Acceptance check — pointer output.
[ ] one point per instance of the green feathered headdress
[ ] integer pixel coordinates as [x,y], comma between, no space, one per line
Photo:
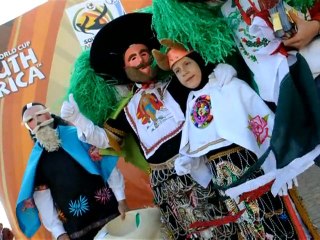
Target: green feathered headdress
[96,98]
[196,25]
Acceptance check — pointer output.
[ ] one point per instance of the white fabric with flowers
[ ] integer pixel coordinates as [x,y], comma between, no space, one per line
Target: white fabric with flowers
[154,116]
[219,115]
[258,46]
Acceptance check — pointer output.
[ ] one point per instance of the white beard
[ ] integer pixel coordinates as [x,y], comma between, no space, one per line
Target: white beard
[48,138]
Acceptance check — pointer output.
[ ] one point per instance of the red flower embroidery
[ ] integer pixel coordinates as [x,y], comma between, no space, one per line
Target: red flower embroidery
[258,40]
[94,153]
[259,127]
[244,40]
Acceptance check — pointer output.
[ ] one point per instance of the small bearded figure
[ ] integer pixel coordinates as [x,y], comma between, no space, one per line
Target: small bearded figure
[40,123]
[65,183]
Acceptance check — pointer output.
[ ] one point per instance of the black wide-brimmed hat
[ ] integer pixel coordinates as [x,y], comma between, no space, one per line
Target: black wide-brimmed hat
[111,42]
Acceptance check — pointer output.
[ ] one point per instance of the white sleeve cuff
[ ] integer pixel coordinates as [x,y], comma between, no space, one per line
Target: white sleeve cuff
[48,212]
[116,183]
[90,133]
[57,231]
[119,194]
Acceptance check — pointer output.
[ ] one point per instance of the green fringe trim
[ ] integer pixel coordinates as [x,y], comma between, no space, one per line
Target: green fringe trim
[95,97]
[196,26]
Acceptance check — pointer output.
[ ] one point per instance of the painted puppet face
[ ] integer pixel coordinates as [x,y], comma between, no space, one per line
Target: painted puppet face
[40,122]
[188,72]
[138,59]
[35,115]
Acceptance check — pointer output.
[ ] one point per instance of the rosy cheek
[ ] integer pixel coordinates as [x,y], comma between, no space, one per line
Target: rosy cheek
[31,124]
[128,64]
[134,63]
[145,58]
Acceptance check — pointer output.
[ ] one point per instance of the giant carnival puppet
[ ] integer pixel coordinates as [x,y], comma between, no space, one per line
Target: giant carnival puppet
[154,115]
[73,194]
[229,124]
[280,76]
[297,99]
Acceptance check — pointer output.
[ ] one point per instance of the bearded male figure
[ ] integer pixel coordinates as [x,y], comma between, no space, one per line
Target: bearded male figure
[121,53]
[74,194]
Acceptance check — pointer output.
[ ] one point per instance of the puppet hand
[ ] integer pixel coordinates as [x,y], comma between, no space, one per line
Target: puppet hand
[224,73]
[183,165]
[288,185]
[70,110]
[123,208]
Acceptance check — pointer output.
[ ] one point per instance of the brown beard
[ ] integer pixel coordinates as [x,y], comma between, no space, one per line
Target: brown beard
[136,75]
[48,138]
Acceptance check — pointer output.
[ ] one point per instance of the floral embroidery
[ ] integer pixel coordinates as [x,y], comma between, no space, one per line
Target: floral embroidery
[245,31]
[94,153]
[259,127]
[247,54]
[78,207]
[201,112]
[103,195]
[252,41]
[257,43]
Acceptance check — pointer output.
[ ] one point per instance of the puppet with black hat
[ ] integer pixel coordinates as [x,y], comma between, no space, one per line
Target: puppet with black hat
[154,114]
